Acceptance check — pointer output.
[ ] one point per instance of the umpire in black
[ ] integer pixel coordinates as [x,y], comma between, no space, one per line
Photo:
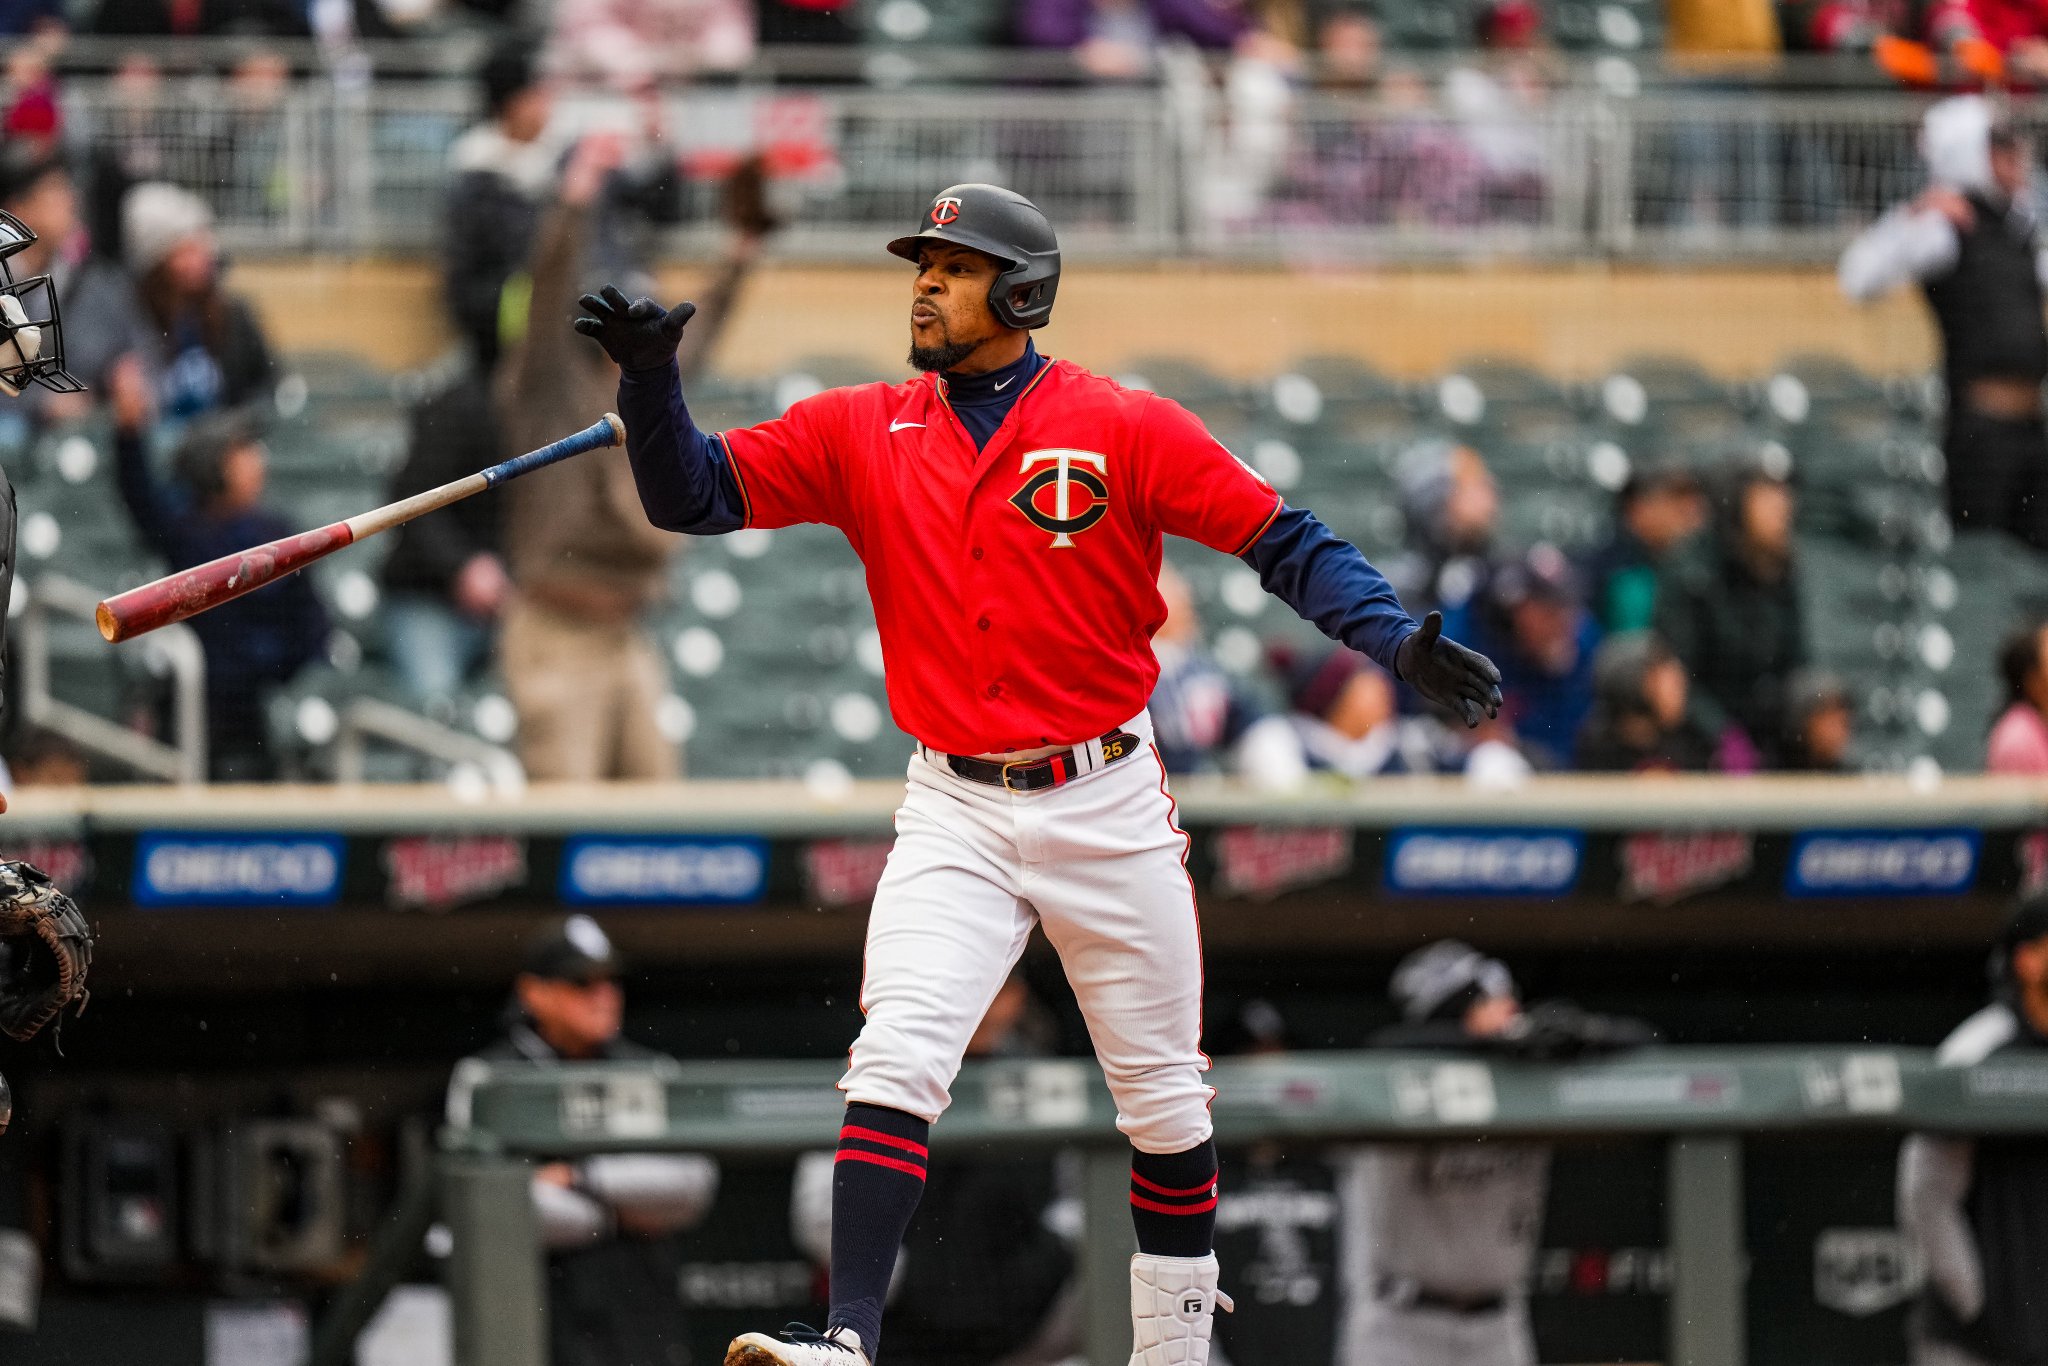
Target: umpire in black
[608,1221]
[1976,1208]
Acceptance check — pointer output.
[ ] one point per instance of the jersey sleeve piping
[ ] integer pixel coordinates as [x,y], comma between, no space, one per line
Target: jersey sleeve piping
[1265,526]
[738,478]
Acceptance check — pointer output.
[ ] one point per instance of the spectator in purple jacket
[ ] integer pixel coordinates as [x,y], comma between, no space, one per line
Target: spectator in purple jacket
[1117,39]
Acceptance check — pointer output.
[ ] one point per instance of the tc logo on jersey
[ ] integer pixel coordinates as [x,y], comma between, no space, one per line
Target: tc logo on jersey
[945,210]
[1067,498]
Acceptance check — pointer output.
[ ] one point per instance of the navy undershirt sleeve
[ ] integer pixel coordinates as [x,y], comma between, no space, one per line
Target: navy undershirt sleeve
[686,483]
[1329,582]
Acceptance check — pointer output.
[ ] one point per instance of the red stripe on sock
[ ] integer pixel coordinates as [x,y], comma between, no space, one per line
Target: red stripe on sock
[886,1140]
[1155,1207]
[856,1155]
[1206,1188]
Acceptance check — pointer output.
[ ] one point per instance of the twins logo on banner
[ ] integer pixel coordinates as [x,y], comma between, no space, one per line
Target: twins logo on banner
[1883,862]
[1471,862]
[191,869]
[691,870]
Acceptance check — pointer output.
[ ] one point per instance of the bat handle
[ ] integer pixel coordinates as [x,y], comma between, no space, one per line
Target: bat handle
[606,431]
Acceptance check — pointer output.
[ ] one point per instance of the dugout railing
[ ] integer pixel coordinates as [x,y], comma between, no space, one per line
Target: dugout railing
[1704,1100]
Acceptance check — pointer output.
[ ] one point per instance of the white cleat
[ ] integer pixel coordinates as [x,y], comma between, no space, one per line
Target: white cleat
[798,1346]
[1172,1302]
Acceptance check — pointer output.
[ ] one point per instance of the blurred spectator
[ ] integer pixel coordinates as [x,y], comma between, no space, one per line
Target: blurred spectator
[586,680]
[1820,724]
[501,172]
[1659,508]
[213,508]
[444,580]
[1451,508]
[201,18]
[984,1277]
[1975,1210]
[1993,39]
[1728,603]
[1841,25]
[1203,720]
[209,350]
[608,1221]
[1347,52]
[1500,104]
[632,44]
[1970,241]
[1120,39]
[1346,717]
[1533,624]
[1639,722]
[1442,1236]
[1722,26]
[505,171]
[19,18]
[102,320]
[2019,738]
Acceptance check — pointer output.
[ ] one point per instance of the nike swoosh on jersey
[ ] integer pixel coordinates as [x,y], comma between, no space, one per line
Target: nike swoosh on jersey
[1006,384]
[899,426]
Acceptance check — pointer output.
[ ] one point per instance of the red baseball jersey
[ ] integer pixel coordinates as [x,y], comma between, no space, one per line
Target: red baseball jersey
[1015,587]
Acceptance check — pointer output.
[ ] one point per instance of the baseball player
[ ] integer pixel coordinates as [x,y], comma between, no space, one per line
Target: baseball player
[1009,510]
[45,946]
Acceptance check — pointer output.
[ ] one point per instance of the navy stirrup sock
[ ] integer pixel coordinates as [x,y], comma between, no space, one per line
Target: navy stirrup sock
[1173,1201]
[877,1178]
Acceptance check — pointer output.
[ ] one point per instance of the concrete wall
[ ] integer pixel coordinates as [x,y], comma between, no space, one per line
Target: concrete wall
[1570,321]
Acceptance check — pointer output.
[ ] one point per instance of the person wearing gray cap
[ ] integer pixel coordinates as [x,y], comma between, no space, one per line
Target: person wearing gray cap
[608,1221]
[1438,1238]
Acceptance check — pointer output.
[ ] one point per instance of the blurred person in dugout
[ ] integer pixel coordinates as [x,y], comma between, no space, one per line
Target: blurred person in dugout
[985,1274]
[1971,242]
[1975,1208]
[608,1221]
[1438,1238]
[585,564]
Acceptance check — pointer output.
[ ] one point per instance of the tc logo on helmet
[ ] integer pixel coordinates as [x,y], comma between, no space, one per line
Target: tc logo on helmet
[945,210]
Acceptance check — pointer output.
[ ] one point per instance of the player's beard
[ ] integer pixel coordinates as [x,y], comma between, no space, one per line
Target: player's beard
[941,358]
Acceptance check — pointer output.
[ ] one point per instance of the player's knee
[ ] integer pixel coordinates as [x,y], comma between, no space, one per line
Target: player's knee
[884,1069]
[1164,1110]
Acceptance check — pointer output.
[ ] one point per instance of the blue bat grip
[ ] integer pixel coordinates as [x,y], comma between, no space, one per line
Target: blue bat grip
[607,431]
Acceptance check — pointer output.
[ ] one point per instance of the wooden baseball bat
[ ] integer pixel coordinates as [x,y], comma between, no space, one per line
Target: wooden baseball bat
[189,592]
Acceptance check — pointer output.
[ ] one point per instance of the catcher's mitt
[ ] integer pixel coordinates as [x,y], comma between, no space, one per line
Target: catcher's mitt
[45,948]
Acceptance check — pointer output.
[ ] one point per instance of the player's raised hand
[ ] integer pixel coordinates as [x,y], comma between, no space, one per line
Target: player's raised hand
[640,335]
[1461,680]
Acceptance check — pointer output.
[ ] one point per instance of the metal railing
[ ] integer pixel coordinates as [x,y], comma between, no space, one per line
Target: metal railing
[1705,1100]
[366,718]
[174,650]
[1482,164]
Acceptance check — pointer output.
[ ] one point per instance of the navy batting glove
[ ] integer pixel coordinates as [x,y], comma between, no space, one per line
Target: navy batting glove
[1455,678]
[640,335]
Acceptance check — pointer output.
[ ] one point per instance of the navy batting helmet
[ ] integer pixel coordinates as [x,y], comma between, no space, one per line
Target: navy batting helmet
[1003,224]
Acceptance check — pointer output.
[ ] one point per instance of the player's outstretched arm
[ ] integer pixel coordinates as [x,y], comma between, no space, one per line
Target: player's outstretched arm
[684,479]
[1328,581]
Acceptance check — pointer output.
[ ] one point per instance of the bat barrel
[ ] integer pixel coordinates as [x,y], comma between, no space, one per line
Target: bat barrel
[192,591]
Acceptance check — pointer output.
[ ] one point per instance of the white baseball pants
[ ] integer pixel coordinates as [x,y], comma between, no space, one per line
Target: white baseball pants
[1100,863]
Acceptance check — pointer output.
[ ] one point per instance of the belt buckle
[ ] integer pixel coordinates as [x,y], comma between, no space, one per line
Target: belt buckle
[1009,764]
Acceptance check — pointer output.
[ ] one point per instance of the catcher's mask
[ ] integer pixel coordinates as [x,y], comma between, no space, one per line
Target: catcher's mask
[31,332]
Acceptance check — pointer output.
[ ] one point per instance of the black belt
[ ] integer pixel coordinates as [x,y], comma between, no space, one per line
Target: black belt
[1048,771]
[1413,1296]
